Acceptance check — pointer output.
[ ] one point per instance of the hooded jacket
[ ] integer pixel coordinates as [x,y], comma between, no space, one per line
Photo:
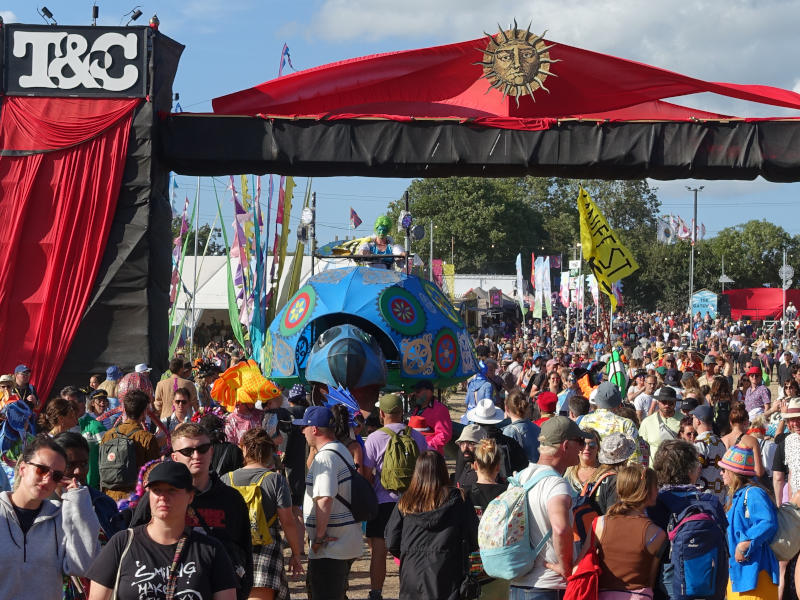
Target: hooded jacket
[62,540]
[433,548]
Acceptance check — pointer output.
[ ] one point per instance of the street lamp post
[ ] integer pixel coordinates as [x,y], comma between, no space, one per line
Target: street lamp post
[694,240]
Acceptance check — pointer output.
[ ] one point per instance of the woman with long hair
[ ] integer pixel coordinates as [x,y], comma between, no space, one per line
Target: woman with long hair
[721,400]
[227,457]
[586,469]
[269,578]
[752,523]
[629,543]
[59,416]
[740,423]
[432,531]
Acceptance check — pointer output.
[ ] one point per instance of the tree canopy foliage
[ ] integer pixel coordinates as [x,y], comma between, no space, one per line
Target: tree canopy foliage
[489,221]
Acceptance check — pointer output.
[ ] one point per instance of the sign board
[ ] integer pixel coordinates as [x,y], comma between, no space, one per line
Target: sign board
[704,301]
[51,60]
[574,268]
[574,282]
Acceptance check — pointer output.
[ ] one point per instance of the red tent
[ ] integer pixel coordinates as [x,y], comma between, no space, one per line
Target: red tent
[759,303]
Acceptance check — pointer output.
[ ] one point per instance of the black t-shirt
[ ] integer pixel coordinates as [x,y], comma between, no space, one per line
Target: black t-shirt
[779,460]
[204,568]
[26,517]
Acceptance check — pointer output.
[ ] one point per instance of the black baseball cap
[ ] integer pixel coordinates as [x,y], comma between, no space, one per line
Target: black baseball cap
[172,473]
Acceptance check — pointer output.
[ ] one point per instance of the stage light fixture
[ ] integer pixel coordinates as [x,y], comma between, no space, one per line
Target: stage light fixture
[135,13]
[45,13]
[95,14]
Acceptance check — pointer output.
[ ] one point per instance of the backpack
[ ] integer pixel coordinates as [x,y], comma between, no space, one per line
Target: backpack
[363,503]
[503,532]
[117,464]
[399,460]
[259,525]
[698,553]
[585,509]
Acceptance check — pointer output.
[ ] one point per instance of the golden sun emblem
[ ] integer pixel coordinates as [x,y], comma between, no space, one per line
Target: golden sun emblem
[517,62]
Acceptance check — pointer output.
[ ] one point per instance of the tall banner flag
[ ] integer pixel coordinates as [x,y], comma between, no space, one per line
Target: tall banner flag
[450,279]
[285,57]
[665,233]
[539,289]
[533,270]
[555,262]
[355,220]
[564,290]
[608,258]
[615,371]
[520,289]
[437,271]
[546,292]
[593,289]
[616,288]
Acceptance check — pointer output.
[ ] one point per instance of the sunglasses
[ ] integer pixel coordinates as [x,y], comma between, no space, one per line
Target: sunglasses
[201,449]
[181,401]
[588,444]
[44,470]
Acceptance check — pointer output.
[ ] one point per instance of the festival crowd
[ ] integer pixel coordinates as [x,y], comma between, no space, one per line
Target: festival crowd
[651,461]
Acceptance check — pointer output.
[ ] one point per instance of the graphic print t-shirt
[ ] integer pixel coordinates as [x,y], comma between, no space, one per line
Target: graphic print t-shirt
[204,568]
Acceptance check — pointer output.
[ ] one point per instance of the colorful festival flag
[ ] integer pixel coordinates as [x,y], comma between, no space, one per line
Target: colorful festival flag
[564,290]
[533,270]
[520,289]
[285,57]
[450,279]
[546,293]
[608,258]
[555,262]
[615,371]
[355,220]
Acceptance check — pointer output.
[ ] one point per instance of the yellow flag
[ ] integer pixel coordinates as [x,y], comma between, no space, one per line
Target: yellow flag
[450,278]
[609,260]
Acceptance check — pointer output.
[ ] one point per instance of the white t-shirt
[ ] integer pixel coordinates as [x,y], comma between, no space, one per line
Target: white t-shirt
[642,403]
[791,449]
[323,479]
[539,525]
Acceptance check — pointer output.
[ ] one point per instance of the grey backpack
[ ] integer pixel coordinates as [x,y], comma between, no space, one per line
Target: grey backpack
[118,468]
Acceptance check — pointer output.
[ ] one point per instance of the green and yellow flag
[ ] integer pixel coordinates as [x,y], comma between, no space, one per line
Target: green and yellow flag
[609,259]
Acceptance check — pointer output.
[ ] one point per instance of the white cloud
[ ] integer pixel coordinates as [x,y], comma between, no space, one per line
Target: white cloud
[8,16]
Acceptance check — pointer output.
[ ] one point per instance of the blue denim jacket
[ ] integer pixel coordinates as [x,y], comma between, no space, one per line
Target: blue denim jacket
[752,516]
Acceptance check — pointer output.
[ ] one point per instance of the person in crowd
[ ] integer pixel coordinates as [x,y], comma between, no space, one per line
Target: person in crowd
[94,381]
[758,398]
[686,429]
[521,429]
[629,543]
[783,465]
[57,417]
[661,425]
[753,521]
[720,399]
[42,540]
[334,537]
[740,423]
[547,402]
[344,431]
[226,457]
[391,415]
[709,371]
[605,422]
[710,449]
[464,475]
[111,382]
[24,389]
[677,469]
[615,450]
[432,530]
[578,408]
[269,578]
[76,449]
[588,464]
[488,416]
[550,503]
[217,510]
[245,416]
[294,458]
[181,409]
[163,554]
[480,387]
[145,444]
[435,413]
[165,390]
[643,400]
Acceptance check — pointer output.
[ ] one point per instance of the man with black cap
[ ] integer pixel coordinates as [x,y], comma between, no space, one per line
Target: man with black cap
[436,416]
[662,424]
[607,397]
[710,449]
[550,511]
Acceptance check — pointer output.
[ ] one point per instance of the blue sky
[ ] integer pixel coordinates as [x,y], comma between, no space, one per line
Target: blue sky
[234,44]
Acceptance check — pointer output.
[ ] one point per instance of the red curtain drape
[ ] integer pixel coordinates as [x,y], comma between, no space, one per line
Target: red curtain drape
[56,209]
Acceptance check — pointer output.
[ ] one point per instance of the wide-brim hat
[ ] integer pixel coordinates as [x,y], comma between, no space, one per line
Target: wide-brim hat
[615,448]
[666,394]
[792,409]
[739,460]
[471,433]
[486,413]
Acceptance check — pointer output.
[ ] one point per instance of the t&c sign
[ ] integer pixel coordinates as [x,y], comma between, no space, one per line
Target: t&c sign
[50,60]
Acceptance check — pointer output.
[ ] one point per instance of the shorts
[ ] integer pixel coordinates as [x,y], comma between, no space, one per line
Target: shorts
[376,527]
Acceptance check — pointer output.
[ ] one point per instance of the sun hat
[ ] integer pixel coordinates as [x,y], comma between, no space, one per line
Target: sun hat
[113,373]
[561,429]
[142,368]
[471,433]
[419,423]
[666,394]
[739,460]
[615,448]
[709,360]
[7,380]
[485,413]
[792,409]
[607,396]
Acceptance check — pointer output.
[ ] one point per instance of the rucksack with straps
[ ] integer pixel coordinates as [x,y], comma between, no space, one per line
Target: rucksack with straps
[117,463]
[259,525]
[399,460]
[363,503]
[585,510]
[503,532]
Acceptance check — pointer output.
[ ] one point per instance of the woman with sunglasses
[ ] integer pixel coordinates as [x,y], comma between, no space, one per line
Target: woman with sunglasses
[42,540]
[586,469]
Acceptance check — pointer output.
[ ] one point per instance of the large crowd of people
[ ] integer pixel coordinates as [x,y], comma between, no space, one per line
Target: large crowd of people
[676,478]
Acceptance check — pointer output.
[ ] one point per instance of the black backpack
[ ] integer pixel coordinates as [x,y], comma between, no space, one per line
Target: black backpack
[363,503]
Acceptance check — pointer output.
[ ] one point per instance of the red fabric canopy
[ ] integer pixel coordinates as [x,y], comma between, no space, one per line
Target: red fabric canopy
[56,208]
[759,303]
[444,82]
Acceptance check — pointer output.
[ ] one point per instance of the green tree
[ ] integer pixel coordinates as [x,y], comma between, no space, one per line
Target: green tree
[216,247]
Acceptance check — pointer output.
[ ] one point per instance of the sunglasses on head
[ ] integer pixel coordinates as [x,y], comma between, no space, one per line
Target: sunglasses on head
[201,449]
[44,470]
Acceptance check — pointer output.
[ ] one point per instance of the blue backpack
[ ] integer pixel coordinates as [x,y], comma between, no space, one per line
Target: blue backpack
[698,555]
[503,532]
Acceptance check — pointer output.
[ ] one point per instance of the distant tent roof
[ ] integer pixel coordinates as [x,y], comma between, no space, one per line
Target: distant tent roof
[444,82]
[759,303]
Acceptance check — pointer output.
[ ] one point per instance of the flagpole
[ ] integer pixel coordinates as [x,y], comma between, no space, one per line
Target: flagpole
[581,303]
[194,291]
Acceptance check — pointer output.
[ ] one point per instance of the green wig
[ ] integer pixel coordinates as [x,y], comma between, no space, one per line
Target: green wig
[383,221]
